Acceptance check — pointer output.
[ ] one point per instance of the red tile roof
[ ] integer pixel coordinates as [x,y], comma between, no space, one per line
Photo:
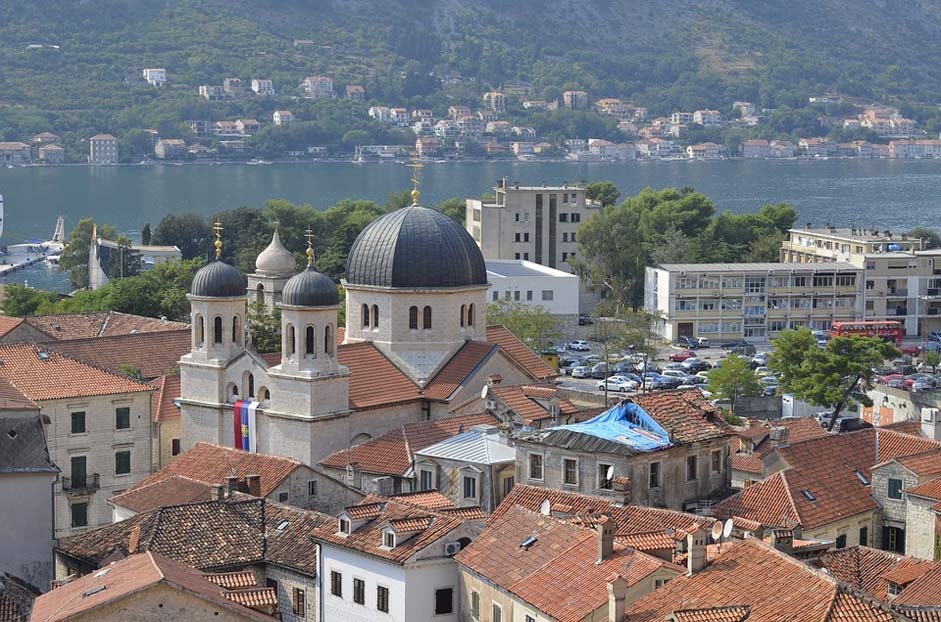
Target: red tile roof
[922,464]
[368,538]
[649,541]
[775,586]
[930,489]
[152,354]
[175,490]
[457,370]
[735,613]
[163,404]
[923,591]
[96,324]
[431,499]
[525,357]
[44,374]
[392,453]
[769,502]
[125,578]
[232,580]
[374,380]
[865,569]
[12,398]
[211,464]
[687,415]
[9,323]
[748,463]
[521,400]
[254,597]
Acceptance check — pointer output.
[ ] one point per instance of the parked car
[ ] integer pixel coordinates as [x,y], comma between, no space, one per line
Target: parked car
[585,320]
[679,357]
[703,342]
[695,381]
[579,345]
[897,381]
[850,423]
[911,349]
[735,343]
[600,370]
[591,359]
[769,381]
[695,365]
[582,371]
[769,390]
[761,372]
[688,342]
[747,350]
[616,383]
[567,364]
[759,360]
[675,373]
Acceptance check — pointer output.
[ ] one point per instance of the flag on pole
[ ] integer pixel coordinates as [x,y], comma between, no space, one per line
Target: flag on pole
[237,420]
[244,419]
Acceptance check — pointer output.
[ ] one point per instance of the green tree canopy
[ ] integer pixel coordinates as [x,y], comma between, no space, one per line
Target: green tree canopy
[75,253]
[188,232]
[604,192]
[733,379]
[535,326]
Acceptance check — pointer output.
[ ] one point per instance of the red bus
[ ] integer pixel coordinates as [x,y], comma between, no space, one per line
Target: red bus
[888,330]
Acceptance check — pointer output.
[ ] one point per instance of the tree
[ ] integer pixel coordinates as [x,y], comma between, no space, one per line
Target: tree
[145,235]
[612,258]
[75,253]
[535,326]
[930,237]
[188,232]
[604,192]
[676,247]
[733,379]
[931,358]
[264,327]
[123,261]
[830,376]
[454,209]
[20,300]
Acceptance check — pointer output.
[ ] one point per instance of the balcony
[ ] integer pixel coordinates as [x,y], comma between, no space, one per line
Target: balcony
[897,293]
[86,485]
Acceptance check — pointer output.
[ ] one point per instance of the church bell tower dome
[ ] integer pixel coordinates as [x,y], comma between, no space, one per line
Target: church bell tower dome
[275,259]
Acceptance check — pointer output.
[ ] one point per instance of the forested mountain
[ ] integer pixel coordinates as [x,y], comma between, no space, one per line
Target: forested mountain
[665,54]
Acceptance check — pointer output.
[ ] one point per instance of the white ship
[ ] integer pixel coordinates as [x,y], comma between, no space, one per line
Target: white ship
[1,215]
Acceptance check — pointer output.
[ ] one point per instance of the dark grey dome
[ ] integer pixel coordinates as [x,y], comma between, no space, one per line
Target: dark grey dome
[310,289]
[415,247]
[218,279]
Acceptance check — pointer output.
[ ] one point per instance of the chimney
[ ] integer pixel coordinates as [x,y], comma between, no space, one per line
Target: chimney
[216,493]
[931,423]
[494,380]
[695,551]
[617,597]
[605,531]
[135,540]
[622,488]
[253,484]
[783,540]
[231,484]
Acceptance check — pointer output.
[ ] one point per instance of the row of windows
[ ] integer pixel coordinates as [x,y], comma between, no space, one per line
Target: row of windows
[217,331]
[310,340]
[547,295]
[496,614]
[122,420]
[382,594]
[757,284]
[605,472]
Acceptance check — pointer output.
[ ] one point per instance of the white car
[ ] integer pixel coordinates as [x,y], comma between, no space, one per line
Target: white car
[675,373]
[581,372]
[622,385]
[579,345]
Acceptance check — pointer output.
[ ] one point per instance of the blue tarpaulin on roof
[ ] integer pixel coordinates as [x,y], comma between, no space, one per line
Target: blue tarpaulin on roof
[628,424]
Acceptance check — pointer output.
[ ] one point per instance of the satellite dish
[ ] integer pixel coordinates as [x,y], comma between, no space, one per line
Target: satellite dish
[727,529]
[716,531]
[483,392]
[545,508]
[609,475]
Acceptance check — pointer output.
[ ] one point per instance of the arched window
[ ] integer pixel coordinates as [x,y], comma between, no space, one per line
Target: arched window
[217,330]
[200,331]
[292,347]
[426,318]
[463,314]
[235,389]
[267,394]
[235,330]
[375,316]
[328,340]
[365,316]
[309,341]
[413,318]
[251,385]
[470,315]
[260,293]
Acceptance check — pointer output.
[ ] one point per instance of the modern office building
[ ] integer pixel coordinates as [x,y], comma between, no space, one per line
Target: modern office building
[902,280]
[754,301]
[534,285]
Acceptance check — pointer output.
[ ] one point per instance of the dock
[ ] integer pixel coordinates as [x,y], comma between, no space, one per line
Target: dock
[16,260]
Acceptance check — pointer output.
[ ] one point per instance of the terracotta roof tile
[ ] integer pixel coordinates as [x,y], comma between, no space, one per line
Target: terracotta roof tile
[368,537]
[903,574]
[648,540]
[922,464]
[930,489]
[211,464]
[864,568]
[526,358]
[419,523]
[768,502]
[748,463]
[163,404]
[9,323]
[473,513]
[456,371]
[630,519]
[366,509]
[391,453]
[253,598]
[431,499]
[374,380]
[125,578]
[175,490]
[16,599]
[12,398]
[153,354]
[909,426]
[735,613]
[44,374]
[775,586]
[688,415]
[232,580]
[97,324]
[923,591]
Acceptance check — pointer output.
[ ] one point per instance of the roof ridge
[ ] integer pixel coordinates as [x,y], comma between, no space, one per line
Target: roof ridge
[40,347]
[233,451]
[790,494]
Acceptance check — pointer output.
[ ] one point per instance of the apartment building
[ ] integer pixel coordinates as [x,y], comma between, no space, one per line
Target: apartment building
[902,280]
[576,100]
[263,87]
[155,76]
[754,301]
[103,149]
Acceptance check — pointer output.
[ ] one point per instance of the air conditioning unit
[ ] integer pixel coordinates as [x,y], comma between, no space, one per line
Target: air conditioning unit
[452,548]
[929,415]
[491,404]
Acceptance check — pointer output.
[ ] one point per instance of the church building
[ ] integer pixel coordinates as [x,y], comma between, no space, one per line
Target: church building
[415,345]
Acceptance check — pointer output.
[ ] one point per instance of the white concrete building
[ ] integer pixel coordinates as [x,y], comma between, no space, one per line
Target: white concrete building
[263,87]
[105,260]
[318,87]
[534,285]
[155,76]
[103,149]
[282,117]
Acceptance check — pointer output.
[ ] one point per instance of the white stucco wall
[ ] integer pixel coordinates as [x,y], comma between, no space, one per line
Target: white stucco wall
[26,526]
[371,570]
[563,285]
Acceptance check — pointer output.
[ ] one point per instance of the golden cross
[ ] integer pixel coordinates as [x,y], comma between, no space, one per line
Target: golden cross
[218,229]
[310,246]
[416,179]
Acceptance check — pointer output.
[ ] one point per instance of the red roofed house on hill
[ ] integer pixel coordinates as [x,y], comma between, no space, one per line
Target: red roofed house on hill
[99,430]
[415,344]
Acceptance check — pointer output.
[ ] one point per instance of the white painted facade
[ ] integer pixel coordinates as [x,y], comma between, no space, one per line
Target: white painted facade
[533,285]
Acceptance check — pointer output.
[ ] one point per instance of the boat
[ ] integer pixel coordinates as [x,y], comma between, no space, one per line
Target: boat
[1,215]
[53,259]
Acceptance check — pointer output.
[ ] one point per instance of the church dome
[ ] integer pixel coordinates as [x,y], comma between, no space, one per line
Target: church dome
[218,279]
[415,247]
[310,289]
[275,259]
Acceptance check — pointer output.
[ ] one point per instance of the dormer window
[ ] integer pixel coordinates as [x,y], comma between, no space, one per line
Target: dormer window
[388,539]
[344,526]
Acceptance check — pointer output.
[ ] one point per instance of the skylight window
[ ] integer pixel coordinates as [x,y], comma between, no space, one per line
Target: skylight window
[43,356]
[283,525]
[94,590]
[809,495]
[862,478]
[528,542]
